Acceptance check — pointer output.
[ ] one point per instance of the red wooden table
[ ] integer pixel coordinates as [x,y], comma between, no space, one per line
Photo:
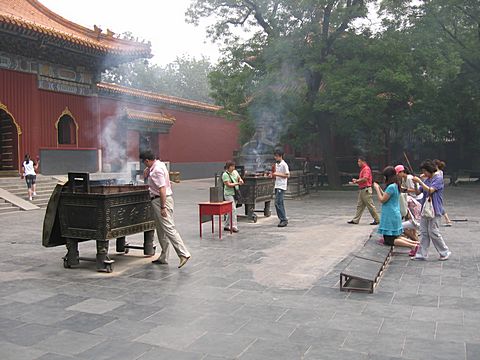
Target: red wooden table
[209,209]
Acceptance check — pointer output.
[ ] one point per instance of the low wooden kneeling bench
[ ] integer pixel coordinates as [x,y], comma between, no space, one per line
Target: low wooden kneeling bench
[366,268]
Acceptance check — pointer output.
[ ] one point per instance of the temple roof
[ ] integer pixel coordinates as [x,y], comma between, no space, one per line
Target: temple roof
[133,114]
[31,17]
[148,121]
[151,96]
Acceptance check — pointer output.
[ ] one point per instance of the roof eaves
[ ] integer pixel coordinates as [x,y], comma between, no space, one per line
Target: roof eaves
[142,49]
[157,97]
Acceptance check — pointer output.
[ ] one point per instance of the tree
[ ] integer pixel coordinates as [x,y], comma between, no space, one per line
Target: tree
[138,74]
[455,21]
[448,112]
[413,85]
[185,77]
[290,40]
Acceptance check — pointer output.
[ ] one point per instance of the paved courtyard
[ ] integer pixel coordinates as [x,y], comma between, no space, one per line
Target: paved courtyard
[265,293]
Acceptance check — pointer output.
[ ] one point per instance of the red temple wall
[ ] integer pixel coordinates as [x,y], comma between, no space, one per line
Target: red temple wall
[199,137]
[18,94]
[82,108]
[195,137]
[37,111]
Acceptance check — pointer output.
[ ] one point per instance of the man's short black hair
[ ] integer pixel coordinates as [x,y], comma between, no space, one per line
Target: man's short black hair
[278,152]
[147,155]
[361,157]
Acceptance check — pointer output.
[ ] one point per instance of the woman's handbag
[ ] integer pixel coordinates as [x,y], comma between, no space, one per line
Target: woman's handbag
[237,195]
[428,211]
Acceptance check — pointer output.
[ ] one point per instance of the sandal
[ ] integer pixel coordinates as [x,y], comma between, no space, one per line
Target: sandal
[413,252]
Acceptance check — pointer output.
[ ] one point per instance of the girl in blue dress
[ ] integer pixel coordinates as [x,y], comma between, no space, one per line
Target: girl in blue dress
[391,219]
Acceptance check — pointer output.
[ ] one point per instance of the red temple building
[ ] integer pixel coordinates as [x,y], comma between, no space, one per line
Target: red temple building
[54,105]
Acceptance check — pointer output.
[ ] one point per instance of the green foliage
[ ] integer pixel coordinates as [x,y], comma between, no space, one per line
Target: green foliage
[247,129]
[414,83]
[186,77]
[232,80]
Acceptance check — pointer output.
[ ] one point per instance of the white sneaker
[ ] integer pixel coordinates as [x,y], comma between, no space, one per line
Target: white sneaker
[30,198]
[443,258]
[34,194]
[418,258]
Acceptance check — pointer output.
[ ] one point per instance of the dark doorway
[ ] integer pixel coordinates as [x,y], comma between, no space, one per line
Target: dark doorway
[67,134]
[8,143]
[148,141]
[144,143]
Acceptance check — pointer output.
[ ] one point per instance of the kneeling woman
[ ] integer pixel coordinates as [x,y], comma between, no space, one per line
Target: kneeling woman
[391,219]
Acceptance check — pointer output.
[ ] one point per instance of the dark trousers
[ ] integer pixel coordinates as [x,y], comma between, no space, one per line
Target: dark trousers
[279,205]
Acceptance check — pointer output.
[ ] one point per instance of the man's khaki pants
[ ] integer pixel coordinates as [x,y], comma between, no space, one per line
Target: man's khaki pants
[166,231]
[365,199]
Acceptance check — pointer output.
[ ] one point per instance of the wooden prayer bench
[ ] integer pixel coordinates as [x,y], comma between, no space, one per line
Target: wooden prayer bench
[465,175]
[364,271]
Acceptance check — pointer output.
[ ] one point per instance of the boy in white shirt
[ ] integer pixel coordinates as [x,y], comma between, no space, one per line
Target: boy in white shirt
[280,175]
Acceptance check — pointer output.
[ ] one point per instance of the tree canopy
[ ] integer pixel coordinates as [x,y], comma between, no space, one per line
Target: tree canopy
[186,77]
[315,73]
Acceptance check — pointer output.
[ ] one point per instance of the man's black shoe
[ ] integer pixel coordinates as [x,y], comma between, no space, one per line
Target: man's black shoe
[282,224]
[352,222]
[374,223]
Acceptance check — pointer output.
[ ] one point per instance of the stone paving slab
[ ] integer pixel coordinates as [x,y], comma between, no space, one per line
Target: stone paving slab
[264,293]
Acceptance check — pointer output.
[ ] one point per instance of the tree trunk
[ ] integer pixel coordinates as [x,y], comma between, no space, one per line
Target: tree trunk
[322,122]
[388,146]
[329,154]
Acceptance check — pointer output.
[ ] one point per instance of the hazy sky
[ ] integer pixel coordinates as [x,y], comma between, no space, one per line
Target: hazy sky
[160,21]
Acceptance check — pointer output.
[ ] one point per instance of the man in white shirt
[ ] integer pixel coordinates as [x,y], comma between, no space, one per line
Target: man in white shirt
[281,175]
[162,203]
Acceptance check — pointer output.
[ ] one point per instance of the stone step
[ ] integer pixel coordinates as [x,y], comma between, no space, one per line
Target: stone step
[8,173]
[9,210]
[5,204]
[17,187]
[24,189]
[24,185]
[17,180]
[42,204]
[23,182]
[21,192]
[36,198]
[24,192]
[5,207]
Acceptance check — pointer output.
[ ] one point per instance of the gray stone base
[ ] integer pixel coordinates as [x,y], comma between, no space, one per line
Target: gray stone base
[199,170]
